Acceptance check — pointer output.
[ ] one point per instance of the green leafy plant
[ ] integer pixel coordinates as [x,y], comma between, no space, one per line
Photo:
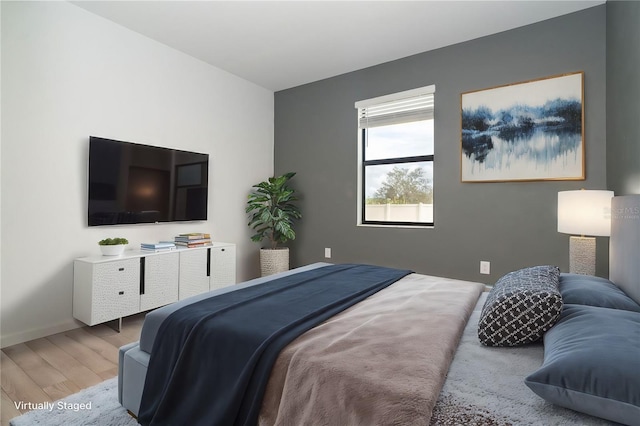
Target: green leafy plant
[113,241]
[271,210]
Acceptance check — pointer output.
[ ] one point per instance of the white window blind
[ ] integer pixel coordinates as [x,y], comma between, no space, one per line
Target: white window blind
[403,107]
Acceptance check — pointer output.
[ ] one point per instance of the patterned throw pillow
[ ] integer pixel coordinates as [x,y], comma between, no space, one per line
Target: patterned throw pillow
[521,306]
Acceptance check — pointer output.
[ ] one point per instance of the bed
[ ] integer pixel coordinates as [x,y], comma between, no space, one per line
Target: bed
[410,354]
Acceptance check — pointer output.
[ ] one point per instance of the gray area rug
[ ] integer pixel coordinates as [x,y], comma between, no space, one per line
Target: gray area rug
[105,410]
[485,386]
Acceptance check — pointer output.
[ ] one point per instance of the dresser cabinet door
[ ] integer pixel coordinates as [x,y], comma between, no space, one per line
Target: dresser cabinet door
[159,286]
[223,266]
[194,278]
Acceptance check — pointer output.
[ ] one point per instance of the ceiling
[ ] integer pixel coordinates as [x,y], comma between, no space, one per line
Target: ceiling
[283,44]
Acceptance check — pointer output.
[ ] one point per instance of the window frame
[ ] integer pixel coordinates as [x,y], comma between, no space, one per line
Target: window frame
[362,163]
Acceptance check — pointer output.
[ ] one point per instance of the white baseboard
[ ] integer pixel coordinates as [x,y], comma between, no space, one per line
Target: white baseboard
[36,333]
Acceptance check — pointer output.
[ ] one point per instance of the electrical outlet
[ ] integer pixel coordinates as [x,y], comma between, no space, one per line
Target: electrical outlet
[485,267]
[327,252]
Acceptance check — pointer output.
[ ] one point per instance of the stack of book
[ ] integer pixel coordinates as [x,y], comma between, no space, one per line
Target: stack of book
[161,246]
[193,239]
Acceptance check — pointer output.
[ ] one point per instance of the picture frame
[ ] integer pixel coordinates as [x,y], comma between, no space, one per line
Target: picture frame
[527,131]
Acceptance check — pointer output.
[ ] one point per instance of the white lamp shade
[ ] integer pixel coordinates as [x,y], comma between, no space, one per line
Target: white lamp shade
[585,212]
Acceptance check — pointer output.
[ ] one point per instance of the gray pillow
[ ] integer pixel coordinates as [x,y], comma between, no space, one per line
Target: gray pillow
[594,291]
[520,307]
[592,363]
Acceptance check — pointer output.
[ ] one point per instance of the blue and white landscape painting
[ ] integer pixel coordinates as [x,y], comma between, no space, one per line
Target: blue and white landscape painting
[528,131]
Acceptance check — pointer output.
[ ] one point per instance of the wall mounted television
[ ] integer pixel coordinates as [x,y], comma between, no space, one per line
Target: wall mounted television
[135,183]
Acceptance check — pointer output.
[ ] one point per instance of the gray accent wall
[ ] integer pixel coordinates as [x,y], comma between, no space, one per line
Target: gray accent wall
[510,224]
[623,97]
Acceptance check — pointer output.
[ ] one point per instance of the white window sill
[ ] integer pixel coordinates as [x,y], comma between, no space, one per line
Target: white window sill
[367,225]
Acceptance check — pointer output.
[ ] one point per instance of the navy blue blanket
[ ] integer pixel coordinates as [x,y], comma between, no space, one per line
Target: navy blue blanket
[211,360]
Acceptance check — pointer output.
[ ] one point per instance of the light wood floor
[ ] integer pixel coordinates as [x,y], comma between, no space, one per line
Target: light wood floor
[54,367]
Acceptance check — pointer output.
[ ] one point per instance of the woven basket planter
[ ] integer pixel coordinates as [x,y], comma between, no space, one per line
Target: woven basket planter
[273,261]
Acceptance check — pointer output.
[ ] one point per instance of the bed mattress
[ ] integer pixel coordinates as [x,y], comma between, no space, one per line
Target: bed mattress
[404,335]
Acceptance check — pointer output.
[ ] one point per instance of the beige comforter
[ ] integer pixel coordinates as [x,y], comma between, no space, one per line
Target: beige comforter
[380,362]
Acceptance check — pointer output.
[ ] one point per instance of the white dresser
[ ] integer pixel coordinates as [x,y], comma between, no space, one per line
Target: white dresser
[107,288]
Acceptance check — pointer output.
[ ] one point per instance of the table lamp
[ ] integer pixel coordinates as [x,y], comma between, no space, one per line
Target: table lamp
[588,214]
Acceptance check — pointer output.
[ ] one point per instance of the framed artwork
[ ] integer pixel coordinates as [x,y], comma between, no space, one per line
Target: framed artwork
[525,131]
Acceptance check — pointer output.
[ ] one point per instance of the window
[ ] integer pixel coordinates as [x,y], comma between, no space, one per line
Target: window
[396,144]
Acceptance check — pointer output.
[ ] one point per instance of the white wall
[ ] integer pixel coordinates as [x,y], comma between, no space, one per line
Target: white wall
[0,170]
[68,74]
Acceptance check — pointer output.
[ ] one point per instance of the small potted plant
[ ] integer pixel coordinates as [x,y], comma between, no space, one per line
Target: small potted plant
[271,210]
[112,246]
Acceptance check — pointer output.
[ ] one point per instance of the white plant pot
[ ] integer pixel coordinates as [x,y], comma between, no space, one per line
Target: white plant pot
[113,250]
[273,261]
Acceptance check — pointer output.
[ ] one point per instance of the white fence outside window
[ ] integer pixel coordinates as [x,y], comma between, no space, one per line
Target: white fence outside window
[399,212]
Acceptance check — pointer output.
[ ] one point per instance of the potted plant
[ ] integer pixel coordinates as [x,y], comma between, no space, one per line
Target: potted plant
[272,210]
[112,246]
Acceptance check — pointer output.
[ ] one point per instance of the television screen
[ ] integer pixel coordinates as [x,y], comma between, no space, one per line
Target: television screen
[134,183]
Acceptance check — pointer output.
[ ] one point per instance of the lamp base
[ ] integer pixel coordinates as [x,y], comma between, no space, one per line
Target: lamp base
[582,255]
